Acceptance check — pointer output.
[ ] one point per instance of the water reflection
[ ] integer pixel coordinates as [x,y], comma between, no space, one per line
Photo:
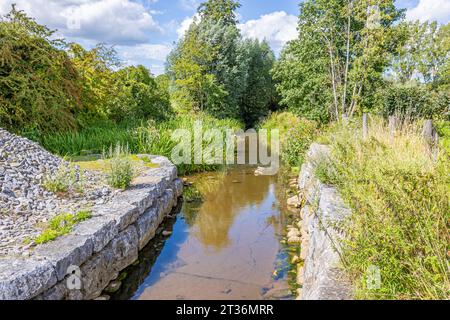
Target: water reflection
[228,195]
[225,247]
[134,276]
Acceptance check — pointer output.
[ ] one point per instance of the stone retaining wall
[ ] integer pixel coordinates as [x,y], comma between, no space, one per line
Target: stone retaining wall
[99,248]
[321,277]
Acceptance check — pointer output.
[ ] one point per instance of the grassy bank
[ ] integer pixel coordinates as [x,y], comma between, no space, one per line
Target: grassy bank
[145,137]
[399,194]
[296,134]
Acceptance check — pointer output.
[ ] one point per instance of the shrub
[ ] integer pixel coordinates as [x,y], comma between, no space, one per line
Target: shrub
[413,102]
[443,129]
[120,171]
[39,88]
[399,198]
[297,142]
[296,135]
[67,178]
[57,183]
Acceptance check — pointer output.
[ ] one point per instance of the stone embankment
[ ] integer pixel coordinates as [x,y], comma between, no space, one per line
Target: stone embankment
[322,210]
[24,202]
[82,263]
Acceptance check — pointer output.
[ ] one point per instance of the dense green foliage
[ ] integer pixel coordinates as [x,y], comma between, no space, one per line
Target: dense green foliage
[443,129]
[47,85]
[215,71]
[350,55]
[38,83]
[258,94]
[142,137]
[296,135]
[399,197]
[335,65]
[412,101]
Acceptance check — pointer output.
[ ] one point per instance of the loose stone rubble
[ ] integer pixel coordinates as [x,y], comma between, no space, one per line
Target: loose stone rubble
[24,203]
[81,264]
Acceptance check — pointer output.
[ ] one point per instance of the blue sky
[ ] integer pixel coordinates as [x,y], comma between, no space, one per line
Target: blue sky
[144,31]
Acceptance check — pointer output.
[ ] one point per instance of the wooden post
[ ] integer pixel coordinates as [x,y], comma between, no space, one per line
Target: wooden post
[428,132]
[431,137]
[392,125]
[365,126]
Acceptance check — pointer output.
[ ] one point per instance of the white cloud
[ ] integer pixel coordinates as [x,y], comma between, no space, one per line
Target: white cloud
[157,69]
[438,10]
[184,25]
[190,4]
[142,52]
[152,56]
[111,21]
[277,28]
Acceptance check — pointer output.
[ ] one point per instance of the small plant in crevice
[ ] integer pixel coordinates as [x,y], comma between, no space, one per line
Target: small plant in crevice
[61,224]
[120,167]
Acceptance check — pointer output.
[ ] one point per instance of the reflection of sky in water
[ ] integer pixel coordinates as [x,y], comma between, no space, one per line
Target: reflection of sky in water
[168,256]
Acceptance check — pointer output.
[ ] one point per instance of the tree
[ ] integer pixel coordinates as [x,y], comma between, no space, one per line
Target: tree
[194,88]
[96,78]
[259,91]
[219,11]
[226,65]
[49,85]
[113,92]
[424,55]
[137,96]
[218,29]
[214,70]
[420,73]
[302,80]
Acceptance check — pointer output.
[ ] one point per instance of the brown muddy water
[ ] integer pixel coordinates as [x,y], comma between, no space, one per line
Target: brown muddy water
[225,241]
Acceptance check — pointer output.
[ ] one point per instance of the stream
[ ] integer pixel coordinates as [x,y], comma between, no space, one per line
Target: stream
[224,241]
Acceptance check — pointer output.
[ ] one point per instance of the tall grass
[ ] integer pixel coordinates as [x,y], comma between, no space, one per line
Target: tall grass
[296,135]
[443,128]
[145,137]
[400,199]
[120,168]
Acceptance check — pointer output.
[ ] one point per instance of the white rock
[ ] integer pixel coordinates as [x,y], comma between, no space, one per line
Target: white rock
[294,202]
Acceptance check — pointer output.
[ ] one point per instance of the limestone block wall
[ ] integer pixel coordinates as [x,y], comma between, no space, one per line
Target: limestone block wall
[99,248]
[321,276]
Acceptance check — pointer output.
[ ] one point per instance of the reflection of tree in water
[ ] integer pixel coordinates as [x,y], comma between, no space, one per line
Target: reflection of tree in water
[204,183]
[281,189]
[224,196]
[190,212]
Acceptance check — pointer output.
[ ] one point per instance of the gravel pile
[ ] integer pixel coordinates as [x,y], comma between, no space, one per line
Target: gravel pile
[25,205]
